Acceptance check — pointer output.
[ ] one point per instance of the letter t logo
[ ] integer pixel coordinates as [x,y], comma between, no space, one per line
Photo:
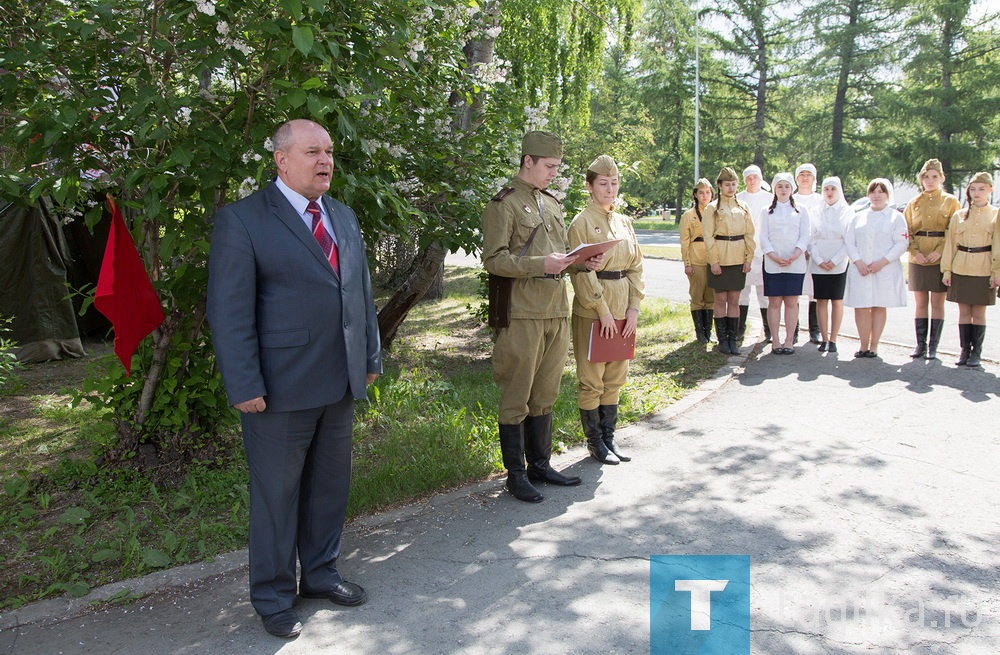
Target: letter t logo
[701,600]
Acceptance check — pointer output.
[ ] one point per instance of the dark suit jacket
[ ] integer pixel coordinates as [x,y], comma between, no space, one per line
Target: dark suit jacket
[284,325]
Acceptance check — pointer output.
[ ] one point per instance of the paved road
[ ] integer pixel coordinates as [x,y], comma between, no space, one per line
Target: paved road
[870,520]
[666,279]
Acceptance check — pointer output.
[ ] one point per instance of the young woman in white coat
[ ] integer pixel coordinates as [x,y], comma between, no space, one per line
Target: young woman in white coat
[828,261]
[784,237]
[875,240]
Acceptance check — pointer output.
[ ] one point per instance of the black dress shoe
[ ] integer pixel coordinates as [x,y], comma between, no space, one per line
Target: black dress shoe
[342,593]
[283,624]
[871,354]
[831,347]
[823,346]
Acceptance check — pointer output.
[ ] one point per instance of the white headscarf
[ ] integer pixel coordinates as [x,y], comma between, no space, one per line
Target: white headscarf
[888,187]
[783,177]
[834,181]
[752,169]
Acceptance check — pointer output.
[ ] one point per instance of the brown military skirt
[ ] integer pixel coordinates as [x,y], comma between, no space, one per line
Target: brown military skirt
[925,278]
[732,278]
[971,290]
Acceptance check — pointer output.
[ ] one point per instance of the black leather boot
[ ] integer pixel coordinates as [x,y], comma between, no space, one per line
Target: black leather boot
[937,327]
[591,420]
[742,327]
[732,329]
[698,318]
[707,323]
[767,328]
[815,336]
[722,336]
[920,326]
[965,338]
[512,449]
[795,335]
[609,419]
[976,336]
[538,450]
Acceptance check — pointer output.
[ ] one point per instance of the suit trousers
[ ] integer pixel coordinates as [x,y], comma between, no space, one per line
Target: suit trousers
[300,476]
[528,362]
[600,383]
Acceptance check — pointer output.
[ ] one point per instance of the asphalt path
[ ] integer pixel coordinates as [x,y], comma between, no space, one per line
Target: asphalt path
[665,279]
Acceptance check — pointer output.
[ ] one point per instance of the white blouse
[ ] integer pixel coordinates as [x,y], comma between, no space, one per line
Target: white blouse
[826,238]
[782,232]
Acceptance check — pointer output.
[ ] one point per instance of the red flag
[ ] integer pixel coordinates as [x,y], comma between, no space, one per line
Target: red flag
[124,293]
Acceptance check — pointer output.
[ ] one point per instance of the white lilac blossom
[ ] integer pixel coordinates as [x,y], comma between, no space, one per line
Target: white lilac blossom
[493,32]
[222,27]
[247,186]
[206,7]
[183,115]
[250,155]
[536,117]
[268,144]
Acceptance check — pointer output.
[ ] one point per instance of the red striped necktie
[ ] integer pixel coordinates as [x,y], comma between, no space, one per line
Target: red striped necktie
[326,241]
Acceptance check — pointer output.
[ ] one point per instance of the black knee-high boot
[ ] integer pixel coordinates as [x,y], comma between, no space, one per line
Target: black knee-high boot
[538,452]
[732,329]
[937,327]
[920,327]
[698,318]
[512,449]
[767,328]
[591,420]
[609,420]
[721,334]
[742,327]
[977,334]
[709,314]
[965,338]
[815,336]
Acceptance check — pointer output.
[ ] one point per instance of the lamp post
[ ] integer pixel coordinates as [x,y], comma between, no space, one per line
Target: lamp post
[697,93]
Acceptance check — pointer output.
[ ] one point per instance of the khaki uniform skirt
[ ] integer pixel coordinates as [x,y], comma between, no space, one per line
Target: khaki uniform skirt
[732,278]
[971,290]
[925,278]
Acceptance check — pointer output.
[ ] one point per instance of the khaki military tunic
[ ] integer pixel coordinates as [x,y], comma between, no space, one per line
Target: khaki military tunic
[600,382]
[975,227]
[929,212]
[693,255]
[728,217]
[529,356]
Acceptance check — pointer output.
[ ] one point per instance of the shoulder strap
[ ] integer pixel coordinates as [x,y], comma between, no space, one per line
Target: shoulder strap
[503,193]
[531,237]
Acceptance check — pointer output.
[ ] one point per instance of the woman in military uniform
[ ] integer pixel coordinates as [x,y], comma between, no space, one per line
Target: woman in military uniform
[695,264]
[611,293]
[927,218]
[729,246]
[970,265]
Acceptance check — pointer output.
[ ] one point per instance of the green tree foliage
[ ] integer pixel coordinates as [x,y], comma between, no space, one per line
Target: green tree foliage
[948,98]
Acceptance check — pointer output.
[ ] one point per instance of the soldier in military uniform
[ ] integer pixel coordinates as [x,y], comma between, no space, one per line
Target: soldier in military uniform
[524,238]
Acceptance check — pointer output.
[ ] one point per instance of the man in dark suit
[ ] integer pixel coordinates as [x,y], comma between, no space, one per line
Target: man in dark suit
[296,339]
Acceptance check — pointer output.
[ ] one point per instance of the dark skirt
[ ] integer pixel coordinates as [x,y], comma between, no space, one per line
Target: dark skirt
[925,278]
[732,278]
[829,286]
[971,290]
[783,284]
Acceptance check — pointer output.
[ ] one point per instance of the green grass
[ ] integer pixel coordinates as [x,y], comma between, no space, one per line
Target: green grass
[69,523]
[662,252]
[651,223]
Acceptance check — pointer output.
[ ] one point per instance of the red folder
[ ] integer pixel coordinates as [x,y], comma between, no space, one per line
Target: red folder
[615,349]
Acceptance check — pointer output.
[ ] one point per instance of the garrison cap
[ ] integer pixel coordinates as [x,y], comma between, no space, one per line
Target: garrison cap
[604,165]
[541,144]
[727,174]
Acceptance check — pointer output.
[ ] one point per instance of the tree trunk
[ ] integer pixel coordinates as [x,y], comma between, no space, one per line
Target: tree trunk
[428,264]
[847,51]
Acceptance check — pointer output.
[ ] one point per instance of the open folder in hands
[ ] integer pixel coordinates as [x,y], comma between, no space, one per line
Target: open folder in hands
[585,251]
[615,349]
